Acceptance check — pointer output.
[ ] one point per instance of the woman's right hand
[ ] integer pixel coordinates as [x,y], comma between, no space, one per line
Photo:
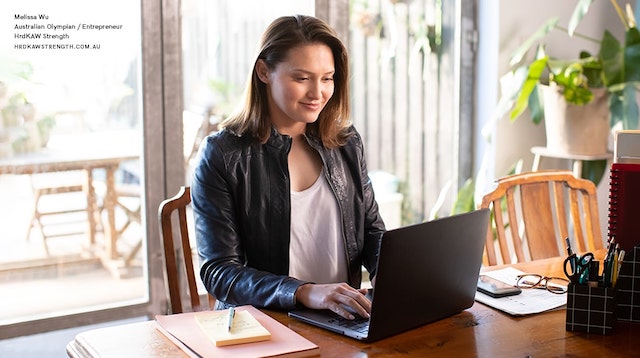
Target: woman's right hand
[337,297]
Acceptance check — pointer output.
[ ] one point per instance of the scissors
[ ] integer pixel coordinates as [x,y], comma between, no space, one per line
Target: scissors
[578,271]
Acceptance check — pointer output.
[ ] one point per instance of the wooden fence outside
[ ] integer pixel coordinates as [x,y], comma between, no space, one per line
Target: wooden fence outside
[403,100]
[397,81]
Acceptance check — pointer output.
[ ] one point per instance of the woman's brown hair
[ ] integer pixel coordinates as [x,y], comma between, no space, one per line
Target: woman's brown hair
[282,35]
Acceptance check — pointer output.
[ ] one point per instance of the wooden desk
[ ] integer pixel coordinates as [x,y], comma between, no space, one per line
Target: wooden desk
[85,152]
[479,331]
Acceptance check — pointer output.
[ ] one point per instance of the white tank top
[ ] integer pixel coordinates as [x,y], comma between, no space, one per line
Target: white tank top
[316,251]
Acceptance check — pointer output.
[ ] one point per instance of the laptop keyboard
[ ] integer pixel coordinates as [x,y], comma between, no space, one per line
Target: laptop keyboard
[359,324]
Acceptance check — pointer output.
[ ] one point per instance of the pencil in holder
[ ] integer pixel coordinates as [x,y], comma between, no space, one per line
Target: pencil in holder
[591,309]
[628,287]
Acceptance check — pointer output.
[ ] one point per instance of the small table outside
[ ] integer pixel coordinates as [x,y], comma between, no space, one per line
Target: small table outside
[101,150]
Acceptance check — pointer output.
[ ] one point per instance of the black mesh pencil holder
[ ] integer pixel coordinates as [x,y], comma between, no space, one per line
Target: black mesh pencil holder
[591,309]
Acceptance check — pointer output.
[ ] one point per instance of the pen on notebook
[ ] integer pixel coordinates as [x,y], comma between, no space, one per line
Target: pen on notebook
[232,313]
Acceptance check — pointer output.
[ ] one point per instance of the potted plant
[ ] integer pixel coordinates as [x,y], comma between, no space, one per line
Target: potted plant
[613,74]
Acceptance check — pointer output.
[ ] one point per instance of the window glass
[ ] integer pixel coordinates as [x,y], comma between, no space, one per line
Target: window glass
[70,148]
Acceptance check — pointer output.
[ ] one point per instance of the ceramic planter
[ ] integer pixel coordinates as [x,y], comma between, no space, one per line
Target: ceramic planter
[574,129]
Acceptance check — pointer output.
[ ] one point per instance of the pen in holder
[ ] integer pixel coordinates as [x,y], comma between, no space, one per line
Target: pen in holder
[594,268]
[591,309]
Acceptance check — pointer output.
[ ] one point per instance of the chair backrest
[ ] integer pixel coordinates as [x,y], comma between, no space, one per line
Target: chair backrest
[176,265]
[530,219]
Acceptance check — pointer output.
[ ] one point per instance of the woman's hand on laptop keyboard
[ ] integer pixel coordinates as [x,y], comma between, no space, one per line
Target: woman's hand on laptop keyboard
[337,297]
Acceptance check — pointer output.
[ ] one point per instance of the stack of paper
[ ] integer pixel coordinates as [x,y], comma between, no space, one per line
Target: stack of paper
[530,301]
[184,330]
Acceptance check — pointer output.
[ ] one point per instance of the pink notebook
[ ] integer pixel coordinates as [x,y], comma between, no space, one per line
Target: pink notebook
[183,330]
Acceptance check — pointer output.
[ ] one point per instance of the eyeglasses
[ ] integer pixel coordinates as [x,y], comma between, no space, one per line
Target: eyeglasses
[557,285]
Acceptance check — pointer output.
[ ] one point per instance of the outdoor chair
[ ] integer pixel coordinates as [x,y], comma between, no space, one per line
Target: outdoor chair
[63,205]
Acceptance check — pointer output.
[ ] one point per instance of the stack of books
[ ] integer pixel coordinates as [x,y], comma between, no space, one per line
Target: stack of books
[624,221]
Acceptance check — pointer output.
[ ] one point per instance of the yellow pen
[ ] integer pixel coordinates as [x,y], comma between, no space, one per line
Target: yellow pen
[614,271]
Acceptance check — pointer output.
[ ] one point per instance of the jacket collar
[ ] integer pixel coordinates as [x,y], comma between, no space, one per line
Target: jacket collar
[278,140]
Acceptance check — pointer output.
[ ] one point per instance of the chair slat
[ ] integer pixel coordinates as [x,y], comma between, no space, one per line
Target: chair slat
[514,226]
[537,208]
[576,218]
[558,190]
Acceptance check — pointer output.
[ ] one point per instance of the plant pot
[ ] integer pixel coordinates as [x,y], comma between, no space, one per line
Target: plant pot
[575,129]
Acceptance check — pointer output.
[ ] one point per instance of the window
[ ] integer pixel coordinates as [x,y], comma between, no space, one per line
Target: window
[71,140]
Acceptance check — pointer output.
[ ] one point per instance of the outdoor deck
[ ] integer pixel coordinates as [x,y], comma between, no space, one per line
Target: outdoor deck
[36,284]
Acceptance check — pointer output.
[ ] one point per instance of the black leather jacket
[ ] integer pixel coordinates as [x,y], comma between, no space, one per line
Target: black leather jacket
[241,201]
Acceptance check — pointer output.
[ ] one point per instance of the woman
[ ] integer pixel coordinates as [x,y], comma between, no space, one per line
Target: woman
[284,209]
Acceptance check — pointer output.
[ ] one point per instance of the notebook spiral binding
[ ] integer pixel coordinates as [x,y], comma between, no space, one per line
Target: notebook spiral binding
[614,202]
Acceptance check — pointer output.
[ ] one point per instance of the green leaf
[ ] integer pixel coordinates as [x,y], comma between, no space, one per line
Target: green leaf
[632,55]
[592,70]
[536,106]
[578,95]
[623,106]
[629,107]
[464,202]
[611,53]
[510,84]
[578,13]
[594,170]
[615,108]
[528,86]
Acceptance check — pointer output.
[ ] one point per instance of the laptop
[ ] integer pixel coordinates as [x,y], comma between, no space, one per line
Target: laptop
[426,272]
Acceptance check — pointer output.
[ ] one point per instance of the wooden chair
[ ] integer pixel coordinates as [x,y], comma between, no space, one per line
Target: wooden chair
[179,262]
[537,220]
